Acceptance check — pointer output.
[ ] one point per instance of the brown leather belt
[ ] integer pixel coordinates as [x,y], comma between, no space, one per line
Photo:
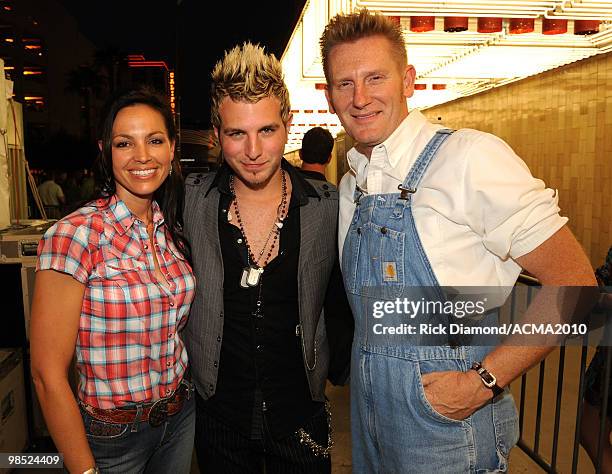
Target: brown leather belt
[155,413]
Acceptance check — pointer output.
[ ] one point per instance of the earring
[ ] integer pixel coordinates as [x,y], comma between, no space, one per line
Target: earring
[170,172]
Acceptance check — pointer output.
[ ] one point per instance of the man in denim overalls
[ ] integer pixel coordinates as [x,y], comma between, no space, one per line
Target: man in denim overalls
[423,207]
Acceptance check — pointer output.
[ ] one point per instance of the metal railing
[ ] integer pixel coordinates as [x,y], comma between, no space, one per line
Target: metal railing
[541,380]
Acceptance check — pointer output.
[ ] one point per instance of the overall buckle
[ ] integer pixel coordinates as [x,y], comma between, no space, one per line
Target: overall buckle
[404,192]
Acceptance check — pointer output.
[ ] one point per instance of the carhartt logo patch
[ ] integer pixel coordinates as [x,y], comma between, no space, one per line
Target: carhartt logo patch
[389,271]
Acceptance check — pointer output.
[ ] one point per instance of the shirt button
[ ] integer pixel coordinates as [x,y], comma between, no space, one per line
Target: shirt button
[218,338]
[220,315]
[171,303]
[211,386]
[260,348]
[170,336]
[146,246]
[239,241]
[168,364]
[215,364]
[383,230]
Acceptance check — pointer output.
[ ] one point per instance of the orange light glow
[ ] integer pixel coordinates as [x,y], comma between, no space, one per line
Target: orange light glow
[148,64]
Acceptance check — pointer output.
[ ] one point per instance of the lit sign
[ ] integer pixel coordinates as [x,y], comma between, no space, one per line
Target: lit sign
[172,97]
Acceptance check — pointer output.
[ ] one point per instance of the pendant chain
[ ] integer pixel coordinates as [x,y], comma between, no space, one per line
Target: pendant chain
[281,213]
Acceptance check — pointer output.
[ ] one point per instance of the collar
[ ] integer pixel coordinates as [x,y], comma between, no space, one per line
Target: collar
[392,150]
[313,174]
[301,189]
[121,218]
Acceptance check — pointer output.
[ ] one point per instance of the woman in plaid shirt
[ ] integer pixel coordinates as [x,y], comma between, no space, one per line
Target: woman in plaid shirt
[114,282]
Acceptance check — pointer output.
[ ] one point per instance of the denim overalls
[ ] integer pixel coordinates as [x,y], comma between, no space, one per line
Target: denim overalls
[394,428]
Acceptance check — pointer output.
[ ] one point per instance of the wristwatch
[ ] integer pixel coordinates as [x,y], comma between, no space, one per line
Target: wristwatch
[488,379]
[92,470]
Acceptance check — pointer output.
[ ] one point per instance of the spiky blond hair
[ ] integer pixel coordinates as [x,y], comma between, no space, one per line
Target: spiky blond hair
[247,73]
[347,28]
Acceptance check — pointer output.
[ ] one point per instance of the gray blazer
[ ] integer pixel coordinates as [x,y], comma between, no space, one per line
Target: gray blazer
[204,331]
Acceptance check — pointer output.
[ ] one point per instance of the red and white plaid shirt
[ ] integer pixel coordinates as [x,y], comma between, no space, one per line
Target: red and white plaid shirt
[128,346]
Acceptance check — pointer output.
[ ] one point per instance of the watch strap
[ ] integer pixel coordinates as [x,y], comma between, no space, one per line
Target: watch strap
[488,379]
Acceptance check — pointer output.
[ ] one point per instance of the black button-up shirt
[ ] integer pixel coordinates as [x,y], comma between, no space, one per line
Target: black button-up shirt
[261,368]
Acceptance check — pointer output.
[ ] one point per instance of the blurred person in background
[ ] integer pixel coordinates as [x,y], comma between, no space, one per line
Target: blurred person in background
[51,194]
[316,152]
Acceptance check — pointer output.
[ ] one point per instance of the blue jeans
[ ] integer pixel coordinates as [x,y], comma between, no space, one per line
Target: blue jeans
[134,448]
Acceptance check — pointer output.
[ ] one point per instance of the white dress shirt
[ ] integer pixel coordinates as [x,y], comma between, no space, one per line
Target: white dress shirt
[476,208]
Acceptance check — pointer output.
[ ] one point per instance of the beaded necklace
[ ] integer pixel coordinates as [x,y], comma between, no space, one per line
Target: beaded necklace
[251,274]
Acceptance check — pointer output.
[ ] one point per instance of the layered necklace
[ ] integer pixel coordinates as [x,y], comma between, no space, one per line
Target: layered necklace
[251,274]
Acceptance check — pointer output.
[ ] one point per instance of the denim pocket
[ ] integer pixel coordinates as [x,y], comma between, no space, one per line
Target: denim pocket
[386,248]
[505,420]
[424,367]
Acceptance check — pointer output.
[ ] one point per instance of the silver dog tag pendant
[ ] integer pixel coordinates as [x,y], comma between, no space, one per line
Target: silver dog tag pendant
[250,276]
[243,277]
[253,276]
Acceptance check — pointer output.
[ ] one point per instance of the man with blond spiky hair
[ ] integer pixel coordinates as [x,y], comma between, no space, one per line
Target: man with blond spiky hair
[264,253]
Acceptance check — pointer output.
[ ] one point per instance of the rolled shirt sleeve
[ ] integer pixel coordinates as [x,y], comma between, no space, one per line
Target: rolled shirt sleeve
[512,211]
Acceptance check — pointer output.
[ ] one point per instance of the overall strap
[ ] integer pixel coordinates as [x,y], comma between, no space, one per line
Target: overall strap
[414,176]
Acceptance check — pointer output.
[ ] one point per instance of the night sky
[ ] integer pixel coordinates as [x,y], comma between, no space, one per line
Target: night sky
[190,35]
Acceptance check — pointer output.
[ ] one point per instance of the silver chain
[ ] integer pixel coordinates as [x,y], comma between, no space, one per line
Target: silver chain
[315,447]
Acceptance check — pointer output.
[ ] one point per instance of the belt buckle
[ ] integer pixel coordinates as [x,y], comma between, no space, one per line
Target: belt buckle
[159,412]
